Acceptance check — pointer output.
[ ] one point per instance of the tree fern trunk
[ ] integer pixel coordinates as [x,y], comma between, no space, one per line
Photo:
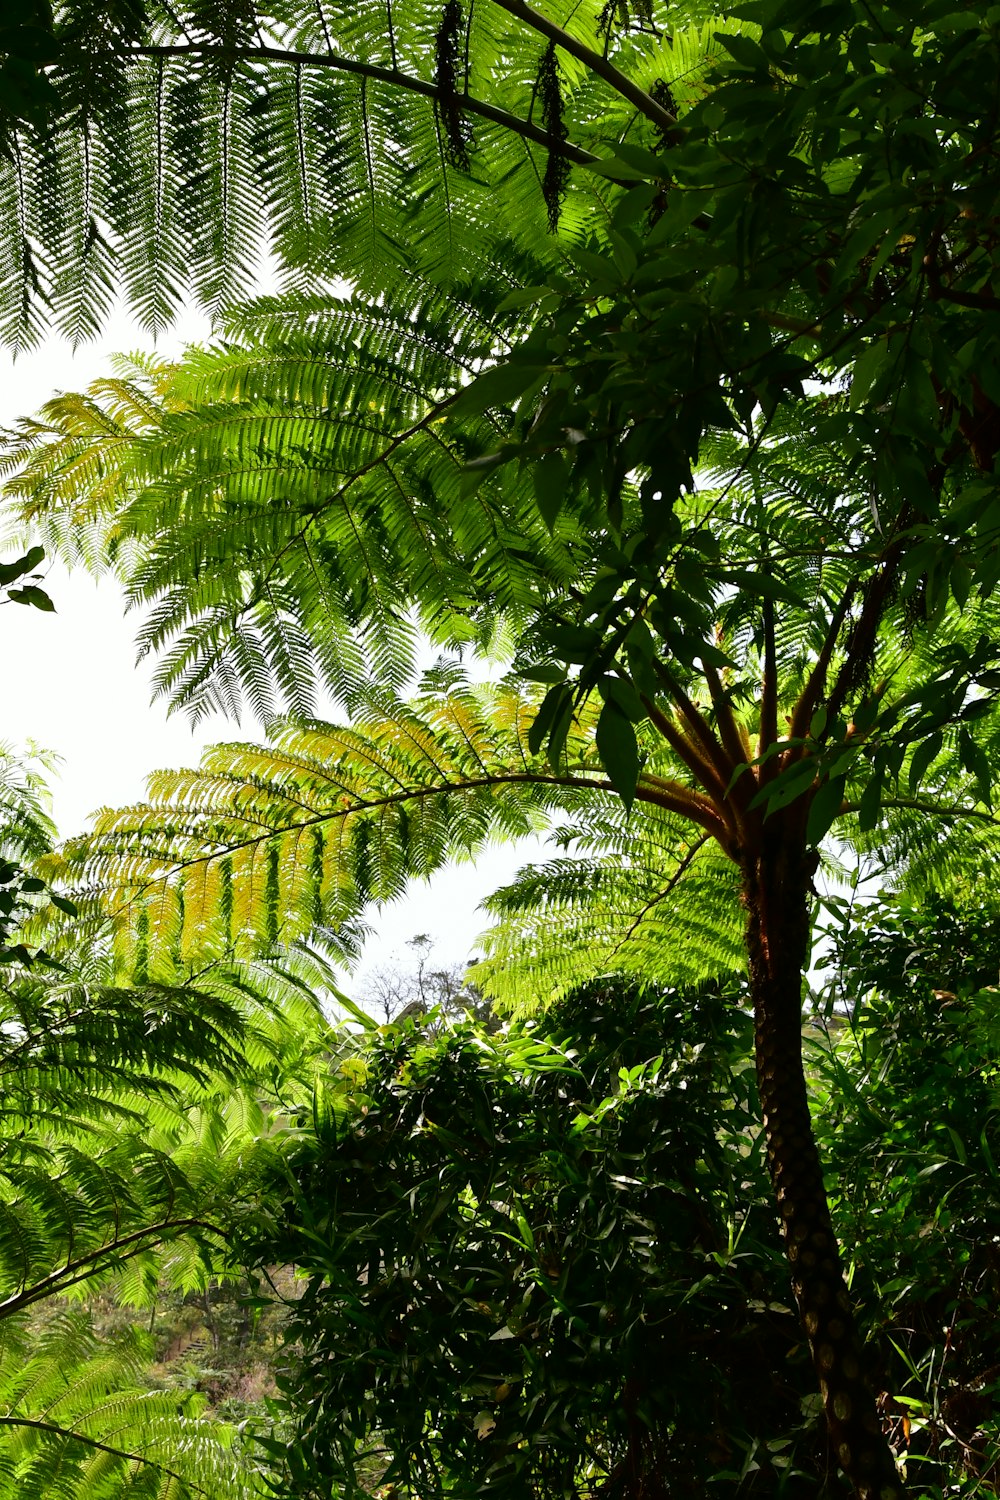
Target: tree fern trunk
[775,889]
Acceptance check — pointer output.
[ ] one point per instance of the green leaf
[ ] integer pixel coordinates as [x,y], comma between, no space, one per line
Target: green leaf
[743,50]
[923,757]
[33,595]
[524,296]
[26,564]
[867,369]
[642,160]
[976,762]
[550,476]
[619,690]
[761,585]
[33,43]
[617,169]
[543,671]
[961,582]
[619,750]
[791,783]
[825,808]
[500,386]
[547,727]
[871,804]
[602,272]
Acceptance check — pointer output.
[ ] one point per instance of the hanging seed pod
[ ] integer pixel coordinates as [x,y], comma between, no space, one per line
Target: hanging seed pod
[448,107]
[556,167]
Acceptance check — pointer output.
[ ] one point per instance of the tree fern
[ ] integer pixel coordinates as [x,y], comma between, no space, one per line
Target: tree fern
[127,1147]
[175,471]
[261,846]
[130,1137]
[113,1123]
[644,903]
[798,648]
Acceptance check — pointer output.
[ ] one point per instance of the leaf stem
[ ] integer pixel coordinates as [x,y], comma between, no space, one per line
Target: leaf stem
[392,76]
[136,1458]
[596,62]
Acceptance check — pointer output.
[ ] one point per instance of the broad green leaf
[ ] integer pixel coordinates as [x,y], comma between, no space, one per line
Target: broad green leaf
[27,564]
[619,750]
[500,386]
[550,476]
[923,756]
[31,594]
[824,809]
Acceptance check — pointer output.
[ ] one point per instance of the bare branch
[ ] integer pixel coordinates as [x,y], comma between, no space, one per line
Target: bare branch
[731,731]
[696,761]
[813,691]
[700,728]
[768,697]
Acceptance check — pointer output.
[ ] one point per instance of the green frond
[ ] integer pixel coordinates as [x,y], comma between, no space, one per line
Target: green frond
[318,138]
[26,829]
[639,894]
[289,508]
[262,845]
[128,1117]
[79,1420]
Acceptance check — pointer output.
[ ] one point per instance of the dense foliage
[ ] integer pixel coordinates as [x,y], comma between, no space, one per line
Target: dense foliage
[909,1122]
[129,1114]
[539,1261]
[546,1261]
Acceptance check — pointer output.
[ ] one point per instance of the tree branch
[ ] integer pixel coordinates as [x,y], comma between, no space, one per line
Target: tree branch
[768,697]
[700,728]
[78,1270]
[729,727]
[808,699]
[595,62]
[933,809]
[390,76]
[672,796]
[697,763]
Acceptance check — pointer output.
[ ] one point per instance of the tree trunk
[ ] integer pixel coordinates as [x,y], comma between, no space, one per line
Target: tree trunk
[775,891]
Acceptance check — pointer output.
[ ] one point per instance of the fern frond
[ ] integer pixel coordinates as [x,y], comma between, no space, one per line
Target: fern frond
[264,844]
[290,509]
[184,147]
[79,1420]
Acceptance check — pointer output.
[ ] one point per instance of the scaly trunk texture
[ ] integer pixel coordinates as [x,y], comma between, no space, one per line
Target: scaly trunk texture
[775,892]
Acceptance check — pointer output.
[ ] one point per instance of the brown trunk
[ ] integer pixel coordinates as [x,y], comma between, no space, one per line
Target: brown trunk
[775,891]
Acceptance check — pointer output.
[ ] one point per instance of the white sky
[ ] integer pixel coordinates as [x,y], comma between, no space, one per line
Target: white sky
[72,684]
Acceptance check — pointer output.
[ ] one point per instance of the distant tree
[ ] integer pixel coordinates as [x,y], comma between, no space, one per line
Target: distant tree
[393,993]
